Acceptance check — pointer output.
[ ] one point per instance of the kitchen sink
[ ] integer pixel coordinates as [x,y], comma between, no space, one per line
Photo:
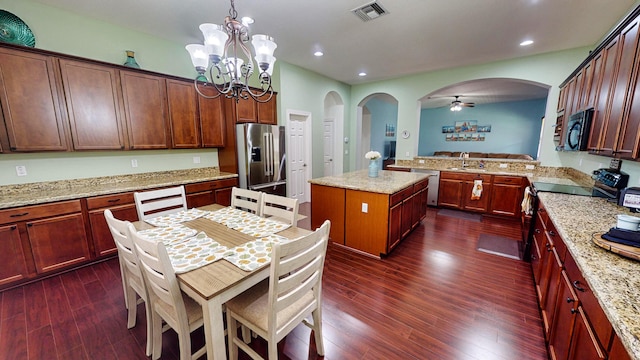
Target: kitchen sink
[467,169]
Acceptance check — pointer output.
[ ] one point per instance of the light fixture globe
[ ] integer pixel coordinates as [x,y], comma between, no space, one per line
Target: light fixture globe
[228,62]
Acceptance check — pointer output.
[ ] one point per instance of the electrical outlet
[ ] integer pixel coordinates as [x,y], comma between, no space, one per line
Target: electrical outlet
[365,207]
[530,167]
[21,170]
[503,166]
[196,159]
[407,153]
[134,163]
[420,161]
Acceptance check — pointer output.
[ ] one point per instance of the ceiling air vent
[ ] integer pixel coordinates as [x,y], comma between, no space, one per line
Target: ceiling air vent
[370,11]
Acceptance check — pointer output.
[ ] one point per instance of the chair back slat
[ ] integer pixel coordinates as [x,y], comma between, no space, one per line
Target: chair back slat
[160,202]
[283,208]
[126,252]
[247,200]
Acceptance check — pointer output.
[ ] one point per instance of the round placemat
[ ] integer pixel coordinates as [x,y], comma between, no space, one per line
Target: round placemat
[13,30]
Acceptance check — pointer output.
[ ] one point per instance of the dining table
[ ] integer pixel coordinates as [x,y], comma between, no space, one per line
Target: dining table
[213,284]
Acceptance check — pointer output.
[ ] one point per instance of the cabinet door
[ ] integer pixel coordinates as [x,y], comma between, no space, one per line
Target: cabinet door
[450,193]
[102,239]
[617,350]
[395,224]
[201,198]
[506,199]
[407,215]
[30,103]
[614,122]
[566,308]
[93,106]
[550,295]
[597,122]
[583,343]
[482,204]
[223,196]
[570,95]
[267,111]
[562,98]
[183,116]
[145,110]
[212,124]
[601,113]
[12,258]
[536,256]
[58,242]
[246,110]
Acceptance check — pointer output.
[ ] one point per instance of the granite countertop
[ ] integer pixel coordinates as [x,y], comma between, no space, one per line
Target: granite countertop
[615,280]
[44,192]
[387,182]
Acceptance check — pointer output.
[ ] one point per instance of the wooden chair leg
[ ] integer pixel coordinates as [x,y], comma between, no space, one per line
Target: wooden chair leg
[156,335]
[132,310]
[317,331]
[147,310]
[184,338]
[232,335]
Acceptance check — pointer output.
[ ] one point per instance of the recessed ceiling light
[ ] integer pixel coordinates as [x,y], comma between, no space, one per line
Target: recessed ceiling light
[318,53]
[362,74]
[526,43]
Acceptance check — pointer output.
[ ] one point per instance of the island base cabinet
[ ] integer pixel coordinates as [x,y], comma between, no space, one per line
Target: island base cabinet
[58,242]
[366,226]
[328,203]
[12,257]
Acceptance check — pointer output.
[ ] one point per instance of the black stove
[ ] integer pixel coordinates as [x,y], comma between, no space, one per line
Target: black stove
[563,188]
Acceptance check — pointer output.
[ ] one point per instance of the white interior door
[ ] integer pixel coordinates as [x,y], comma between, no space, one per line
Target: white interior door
[328,134]
[299,130]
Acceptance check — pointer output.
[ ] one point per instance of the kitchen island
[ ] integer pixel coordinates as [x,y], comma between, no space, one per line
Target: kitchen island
[370,215]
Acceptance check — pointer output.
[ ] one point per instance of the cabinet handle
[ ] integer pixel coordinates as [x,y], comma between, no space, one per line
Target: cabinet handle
[552,233]
[548,246]
[574,311]
[537,231]
[29,225]
[13,227]
[576,285]
[570,300]
[113,200]
[19,215]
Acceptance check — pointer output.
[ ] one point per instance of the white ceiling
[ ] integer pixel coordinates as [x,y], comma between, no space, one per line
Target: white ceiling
[415,36]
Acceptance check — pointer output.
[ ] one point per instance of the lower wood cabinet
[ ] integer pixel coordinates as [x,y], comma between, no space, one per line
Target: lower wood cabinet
[210,192]
[506,195]
[14,262]
[122,206]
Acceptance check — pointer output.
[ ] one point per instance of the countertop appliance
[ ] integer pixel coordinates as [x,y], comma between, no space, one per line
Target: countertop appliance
[262,158]
[630,198]
[609,183]
[577,131]
[434,182]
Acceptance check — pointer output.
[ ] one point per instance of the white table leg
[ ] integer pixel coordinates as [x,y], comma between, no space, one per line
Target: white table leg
[214,329]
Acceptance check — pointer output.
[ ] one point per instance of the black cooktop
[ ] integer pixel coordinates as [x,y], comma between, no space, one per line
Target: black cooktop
[562,188]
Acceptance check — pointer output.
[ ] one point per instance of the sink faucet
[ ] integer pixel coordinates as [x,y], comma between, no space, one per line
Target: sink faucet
[464,156]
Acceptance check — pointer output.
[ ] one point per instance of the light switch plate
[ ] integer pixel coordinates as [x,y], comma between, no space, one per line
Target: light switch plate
[530,167]
[365,207]
[420,161]
[21,170]
[503,166]
[196,159]
[134,163]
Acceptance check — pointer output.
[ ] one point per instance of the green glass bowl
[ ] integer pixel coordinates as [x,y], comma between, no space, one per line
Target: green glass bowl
[13,30]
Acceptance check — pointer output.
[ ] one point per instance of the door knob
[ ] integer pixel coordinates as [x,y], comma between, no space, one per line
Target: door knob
[304,165]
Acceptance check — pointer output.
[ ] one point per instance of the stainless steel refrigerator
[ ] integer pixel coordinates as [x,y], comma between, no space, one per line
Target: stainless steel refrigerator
[261,158]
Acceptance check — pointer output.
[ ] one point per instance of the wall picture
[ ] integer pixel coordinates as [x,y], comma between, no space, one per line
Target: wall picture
[484,128]
[448,129]
[467,126]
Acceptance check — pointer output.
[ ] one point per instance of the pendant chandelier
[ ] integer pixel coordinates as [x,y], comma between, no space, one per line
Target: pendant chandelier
[227,60]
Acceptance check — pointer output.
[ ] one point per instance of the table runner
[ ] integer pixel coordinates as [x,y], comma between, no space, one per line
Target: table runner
[195,252]
[177,217]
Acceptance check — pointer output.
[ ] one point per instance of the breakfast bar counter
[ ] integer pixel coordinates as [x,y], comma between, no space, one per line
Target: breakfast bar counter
[370,215]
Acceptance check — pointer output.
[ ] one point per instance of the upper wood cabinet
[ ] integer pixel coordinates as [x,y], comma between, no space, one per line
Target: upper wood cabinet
[251,111]
[145,110]
[93,105]
[267,111]
[597,122]
[212,124]
[183,114]
[30,102]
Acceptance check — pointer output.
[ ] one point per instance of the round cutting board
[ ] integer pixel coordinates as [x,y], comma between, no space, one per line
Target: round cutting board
[627,251]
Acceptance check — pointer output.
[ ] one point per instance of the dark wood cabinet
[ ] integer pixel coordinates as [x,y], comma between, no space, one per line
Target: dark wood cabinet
[29,96]
[267,111]
[624,66]
[210,192]
[395,234]
[12,257]
[481,204]
[617,350]
[93,106]
[565,312]
[145,110]
[252,111]
[450,190]
[212,121]
[406,222]
[507,195]
[583,343]
[597,122]
[122,206]
[183,114]
[550,291]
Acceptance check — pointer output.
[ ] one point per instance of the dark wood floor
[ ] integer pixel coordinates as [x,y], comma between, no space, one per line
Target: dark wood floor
[434,297]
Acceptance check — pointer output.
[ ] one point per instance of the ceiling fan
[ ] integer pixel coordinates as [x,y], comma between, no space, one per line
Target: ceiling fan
[457,105]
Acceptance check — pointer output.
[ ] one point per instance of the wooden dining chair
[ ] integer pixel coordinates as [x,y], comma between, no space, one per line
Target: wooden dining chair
[274,307]
[133,284]
[160,202]
[280,207]
[247,200]
[168,303]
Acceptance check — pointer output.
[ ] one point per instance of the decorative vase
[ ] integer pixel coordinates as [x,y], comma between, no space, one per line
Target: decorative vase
[373,168]
[131,60]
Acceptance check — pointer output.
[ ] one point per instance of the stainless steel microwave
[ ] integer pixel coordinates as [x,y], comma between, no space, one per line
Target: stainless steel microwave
[577,130]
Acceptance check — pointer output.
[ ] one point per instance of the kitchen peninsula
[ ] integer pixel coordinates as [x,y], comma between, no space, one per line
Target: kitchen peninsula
[371,215]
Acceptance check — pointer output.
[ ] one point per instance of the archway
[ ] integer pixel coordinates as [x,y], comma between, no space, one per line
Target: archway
[376,126]
[333,133]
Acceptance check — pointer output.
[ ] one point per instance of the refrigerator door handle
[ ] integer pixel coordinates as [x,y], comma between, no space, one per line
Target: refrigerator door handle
[268,156]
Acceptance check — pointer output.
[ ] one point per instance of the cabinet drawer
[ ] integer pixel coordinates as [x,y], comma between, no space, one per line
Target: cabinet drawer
[401,195]
[594,313]
[556,239]
[421,185]
[210,185]
[513,180]
[104,201]
[39,211]
[219,184]
[453,175]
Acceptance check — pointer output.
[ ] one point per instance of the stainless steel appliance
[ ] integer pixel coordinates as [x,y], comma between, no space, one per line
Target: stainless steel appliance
[630,198]
[262,158]
[434,182]
[577,133]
